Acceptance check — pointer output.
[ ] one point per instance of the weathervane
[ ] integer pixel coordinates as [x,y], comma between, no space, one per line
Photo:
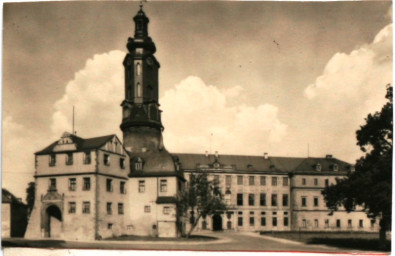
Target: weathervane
[141,4]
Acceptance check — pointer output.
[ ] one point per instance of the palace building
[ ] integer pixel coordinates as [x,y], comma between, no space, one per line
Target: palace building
[90,189]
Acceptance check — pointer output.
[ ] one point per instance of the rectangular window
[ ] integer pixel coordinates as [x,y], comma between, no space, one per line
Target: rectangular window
[240,221]
[109,226]
[86,207]
[122,163]
[69,159]
[147,208]
[326,223]
[286,222]
[274,221]
[87,157]
[338,224]
[274,199]
[251,180]
[72,184]
[252,221]
[263,221]
[109,185]
[72,207]
[285,199]
[263,180]
[52,160]
[315,201]
[251,199]
[274,181]
[106,159]
[141,186]
[228,181]
[120,208]
[87,183]
[109,208]
[285,181]
[349,223]
[52,184]
[239,199]
[372,222]
[316,182]
[361,223]
[122,188]
[239,180]
[163,185]
[304,201]
[326,182]
[316,223]
[303,181]
[216,180]
[166,210]
[304,223]
[262,199]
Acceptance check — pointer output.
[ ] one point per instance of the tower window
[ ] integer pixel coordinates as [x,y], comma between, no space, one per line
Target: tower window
[52,184]
[304,200]
[138,69]
[139,90]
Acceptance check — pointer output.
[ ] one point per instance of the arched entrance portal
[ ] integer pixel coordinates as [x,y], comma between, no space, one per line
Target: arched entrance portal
[217,222]
[53,226]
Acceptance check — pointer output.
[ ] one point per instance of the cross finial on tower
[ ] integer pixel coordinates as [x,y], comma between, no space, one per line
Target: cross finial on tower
[141,5]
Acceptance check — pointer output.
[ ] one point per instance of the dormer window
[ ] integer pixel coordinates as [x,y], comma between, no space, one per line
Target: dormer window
[318,167]
[335,167]
[138,164]
[69,159]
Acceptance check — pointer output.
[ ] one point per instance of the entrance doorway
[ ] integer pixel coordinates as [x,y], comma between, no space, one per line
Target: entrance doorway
[53,226]
[217,222]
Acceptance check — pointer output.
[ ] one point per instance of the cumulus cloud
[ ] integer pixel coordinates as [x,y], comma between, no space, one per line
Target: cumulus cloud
[351,86]
[96,92]
[192,111]
[197,117]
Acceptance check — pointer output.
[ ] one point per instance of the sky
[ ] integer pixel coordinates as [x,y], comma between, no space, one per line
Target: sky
[291,79]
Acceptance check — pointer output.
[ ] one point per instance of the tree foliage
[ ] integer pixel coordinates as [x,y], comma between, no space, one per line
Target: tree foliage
[30,196]
[201,197]
[370,186]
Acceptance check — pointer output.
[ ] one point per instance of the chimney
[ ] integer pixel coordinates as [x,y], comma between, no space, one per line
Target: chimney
[328,156]
[216,154]
[206,153]
[265,155]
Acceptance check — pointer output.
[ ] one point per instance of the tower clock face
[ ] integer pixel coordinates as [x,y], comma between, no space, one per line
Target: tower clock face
[150,62]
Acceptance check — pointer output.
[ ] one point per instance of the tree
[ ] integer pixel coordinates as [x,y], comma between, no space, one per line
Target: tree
[202,197]
[30,196]
[370,185]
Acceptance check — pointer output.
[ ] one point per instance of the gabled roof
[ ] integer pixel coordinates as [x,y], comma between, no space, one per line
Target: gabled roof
[249,164]
[81,144]
[8,197]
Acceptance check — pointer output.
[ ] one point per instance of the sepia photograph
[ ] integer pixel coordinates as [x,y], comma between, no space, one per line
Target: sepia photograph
[214,126]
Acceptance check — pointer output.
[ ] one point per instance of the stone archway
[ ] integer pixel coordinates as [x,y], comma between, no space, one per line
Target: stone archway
[217,222]
[53,221]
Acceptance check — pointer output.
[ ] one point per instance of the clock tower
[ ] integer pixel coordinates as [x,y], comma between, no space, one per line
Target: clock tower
[141,120]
